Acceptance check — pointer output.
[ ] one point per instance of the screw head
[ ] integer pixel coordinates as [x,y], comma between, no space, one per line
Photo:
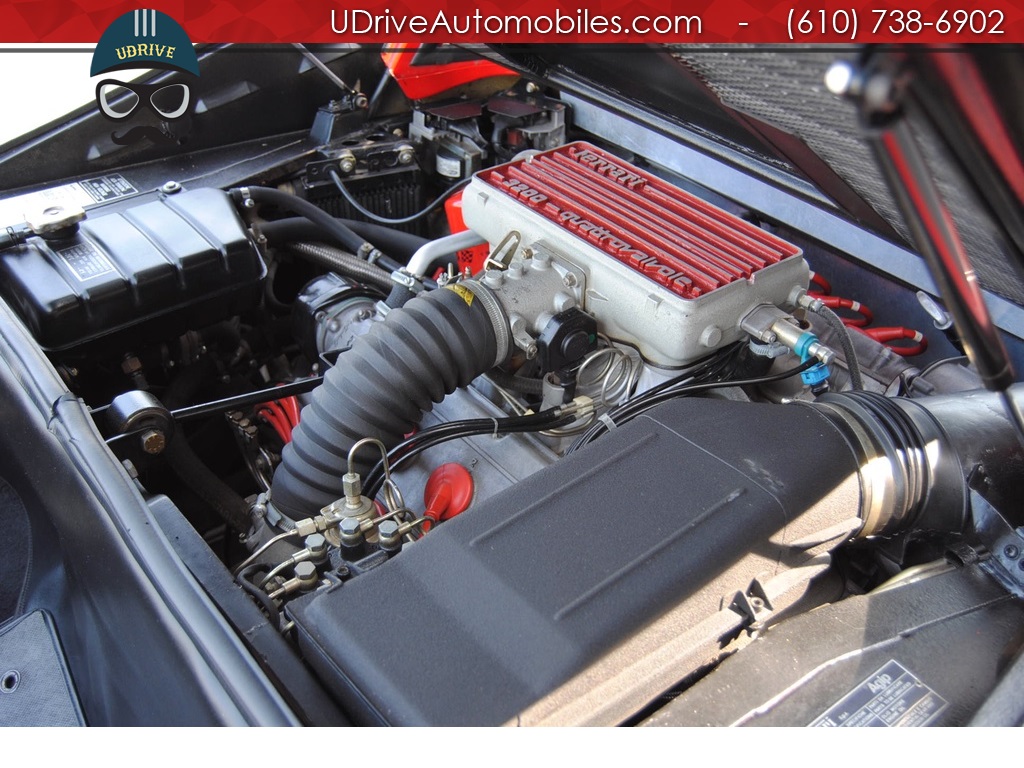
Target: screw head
[153,441]
[1011,551]
[170,187]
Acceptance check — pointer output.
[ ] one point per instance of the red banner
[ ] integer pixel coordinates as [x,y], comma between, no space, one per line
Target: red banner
[535,21]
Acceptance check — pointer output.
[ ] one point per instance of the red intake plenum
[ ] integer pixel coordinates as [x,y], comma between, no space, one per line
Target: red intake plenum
[672,237]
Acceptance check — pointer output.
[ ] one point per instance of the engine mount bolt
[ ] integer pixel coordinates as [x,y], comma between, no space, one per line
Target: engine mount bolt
[153,441]
[1011,551]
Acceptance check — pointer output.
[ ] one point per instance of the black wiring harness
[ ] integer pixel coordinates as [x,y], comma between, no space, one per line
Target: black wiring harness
[714,372]
[683,385]
[408,449]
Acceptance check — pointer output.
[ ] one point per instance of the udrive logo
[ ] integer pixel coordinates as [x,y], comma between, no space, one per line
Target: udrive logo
[146,39]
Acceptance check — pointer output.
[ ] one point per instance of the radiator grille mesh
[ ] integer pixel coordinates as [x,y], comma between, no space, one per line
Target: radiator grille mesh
[784,88]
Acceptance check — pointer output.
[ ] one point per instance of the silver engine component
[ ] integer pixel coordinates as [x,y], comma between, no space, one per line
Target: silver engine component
[657,267]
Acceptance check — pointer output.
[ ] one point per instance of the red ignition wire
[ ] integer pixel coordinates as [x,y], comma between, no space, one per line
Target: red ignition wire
[886,335]
[866,316]
[825,287]
[291,408]
[275,416]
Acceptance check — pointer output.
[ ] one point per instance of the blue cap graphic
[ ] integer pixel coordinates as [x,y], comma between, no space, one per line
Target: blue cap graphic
[142,39]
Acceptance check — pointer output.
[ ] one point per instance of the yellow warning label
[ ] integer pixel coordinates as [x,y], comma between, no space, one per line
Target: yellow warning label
[465,293]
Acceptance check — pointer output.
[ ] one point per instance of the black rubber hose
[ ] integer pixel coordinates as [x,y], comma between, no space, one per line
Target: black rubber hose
[397,243]
[191,470]
[519,384]
[843,334]
[336,260]
[242,578]
[187,465]
[345,236]
[381,387]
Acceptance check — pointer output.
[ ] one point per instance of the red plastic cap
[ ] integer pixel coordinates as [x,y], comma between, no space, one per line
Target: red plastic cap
[448,493]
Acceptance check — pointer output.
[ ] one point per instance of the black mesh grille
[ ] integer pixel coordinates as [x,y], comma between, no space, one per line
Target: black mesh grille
[392,195]
[785,88]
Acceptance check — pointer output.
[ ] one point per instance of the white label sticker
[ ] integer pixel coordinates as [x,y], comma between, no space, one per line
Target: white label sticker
[85,262]
[82,194]
[892,697]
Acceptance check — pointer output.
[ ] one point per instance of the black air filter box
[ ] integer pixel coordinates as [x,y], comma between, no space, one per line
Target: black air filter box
[159,268]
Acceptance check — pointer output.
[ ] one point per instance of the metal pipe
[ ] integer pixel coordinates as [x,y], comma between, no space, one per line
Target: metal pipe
[444,246]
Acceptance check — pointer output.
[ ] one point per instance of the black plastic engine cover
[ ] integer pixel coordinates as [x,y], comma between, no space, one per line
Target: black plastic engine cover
[181,262]
[496,608]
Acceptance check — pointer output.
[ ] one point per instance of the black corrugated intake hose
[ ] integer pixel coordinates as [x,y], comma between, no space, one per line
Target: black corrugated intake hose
[381,387]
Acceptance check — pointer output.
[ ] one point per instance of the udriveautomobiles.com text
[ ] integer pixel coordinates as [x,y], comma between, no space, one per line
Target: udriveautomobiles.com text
[583,22]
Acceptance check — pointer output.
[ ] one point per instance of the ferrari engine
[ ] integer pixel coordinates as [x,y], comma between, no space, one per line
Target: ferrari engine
[495,420]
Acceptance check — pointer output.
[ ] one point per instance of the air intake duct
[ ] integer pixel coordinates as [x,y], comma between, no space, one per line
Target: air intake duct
[916,456]
[382,386]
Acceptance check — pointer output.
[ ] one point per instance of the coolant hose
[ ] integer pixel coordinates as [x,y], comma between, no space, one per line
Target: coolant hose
[381,387]
[399,244]
[336,260]
[343,234]
[187,465]
[191,470]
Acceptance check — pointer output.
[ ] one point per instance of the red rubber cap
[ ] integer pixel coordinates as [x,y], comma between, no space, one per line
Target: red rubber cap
[449,492]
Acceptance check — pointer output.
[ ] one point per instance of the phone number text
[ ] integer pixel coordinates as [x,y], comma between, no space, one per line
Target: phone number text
[890,23]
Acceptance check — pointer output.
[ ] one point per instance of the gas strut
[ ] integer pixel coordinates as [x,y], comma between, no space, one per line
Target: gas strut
[883,87]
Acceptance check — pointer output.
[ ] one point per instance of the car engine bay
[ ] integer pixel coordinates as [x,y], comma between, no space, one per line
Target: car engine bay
[477,408]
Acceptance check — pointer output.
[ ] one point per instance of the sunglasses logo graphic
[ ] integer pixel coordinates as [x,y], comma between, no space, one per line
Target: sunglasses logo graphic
[146,39]
[166,100]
